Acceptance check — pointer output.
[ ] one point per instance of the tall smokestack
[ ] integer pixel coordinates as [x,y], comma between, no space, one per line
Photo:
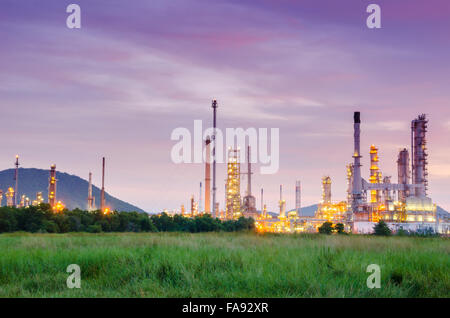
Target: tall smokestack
[357,181]
[298,197]
[249,175]
[16,179]
[102,197]
[214,106]
[262,201]
[208,176]
[282,204]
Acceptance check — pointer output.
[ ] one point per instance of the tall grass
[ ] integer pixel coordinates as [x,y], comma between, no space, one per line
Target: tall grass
[221,265]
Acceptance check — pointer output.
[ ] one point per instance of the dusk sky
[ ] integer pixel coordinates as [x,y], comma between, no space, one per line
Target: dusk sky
[136,70]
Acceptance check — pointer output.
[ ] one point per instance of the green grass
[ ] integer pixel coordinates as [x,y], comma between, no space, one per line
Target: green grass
[222,265]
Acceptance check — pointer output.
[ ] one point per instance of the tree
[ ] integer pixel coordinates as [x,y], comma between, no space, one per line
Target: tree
[326,228]
[382,229]
[339,228]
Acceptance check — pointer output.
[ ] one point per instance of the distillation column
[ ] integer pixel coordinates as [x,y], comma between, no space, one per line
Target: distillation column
[403,174]
[52,187]
[349,184]
[326,190]
[419,155]
[375,174]
[10,197]
[233,185]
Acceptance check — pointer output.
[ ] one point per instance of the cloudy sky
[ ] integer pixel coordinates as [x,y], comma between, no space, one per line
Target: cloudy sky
[136,70]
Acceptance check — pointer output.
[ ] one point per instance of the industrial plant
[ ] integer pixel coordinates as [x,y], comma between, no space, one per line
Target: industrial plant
[52,198]
[402,205]
[405,204]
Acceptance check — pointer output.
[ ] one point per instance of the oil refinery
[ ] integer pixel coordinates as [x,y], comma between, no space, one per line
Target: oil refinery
[402,205]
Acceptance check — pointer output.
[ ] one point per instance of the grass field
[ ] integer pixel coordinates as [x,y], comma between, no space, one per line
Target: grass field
[222,265]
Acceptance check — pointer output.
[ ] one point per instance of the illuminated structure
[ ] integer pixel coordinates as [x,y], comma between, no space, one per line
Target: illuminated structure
[403,205]
[1,197]
[249,201]
[282,204]
[59,207]
[375,178]
[412,209]
[16,180]
[233,185]
[350,184]
[327,211]
[194,207]
[24,201]
[52,187]
[375,174]
[208,176]
[91,198]
[419,153]
[39,199]
[326,190]
[10,197]
[403,174]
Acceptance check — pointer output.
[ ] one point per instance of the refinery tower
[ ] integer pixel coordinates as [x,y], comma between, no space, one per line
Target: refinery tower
[249,201]
[405,201]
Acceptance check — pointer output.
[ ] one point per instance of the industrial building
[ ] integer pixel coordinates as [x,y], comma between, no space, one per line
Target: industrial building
[402,205]
[233,185]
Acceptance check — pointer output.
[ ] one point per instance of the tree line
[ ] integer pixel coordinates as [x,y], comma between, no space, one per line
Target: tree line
[41,219]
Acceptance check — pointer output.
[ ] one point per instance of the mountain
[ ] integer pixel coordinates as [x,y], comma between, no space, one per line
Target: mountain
[309,210]
[70,189]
